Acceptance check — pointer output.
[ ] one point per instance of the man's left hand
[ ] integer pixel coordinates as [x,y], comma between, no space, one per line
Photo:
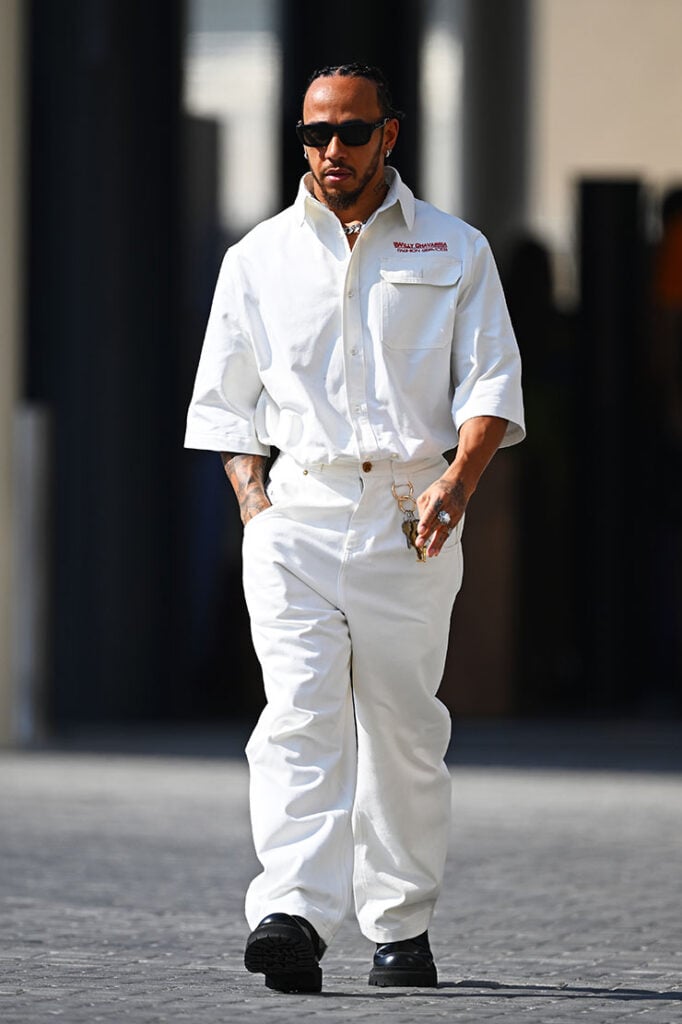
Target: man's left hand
[441,498]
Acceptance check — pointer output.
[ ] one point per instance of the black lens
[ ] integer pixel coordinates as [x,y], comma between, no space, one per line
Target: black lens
[318,134]
[355,133]
[351,133]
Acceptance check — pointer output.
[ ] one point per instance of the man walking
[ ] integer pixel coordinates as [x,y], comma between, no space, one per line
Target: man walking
[361,333]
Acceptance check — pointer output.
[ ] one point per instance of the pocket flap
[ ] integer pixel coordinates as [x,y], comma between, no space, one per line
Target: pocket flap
[422,270]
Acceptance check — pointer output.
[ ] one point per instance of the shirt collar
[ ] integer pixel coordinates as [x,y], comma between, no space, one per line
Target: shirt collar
[398,192]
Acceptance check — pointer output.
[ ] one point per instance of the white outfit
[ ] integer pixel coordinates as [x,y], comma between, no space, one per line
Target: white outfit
[359,366]
[328,353]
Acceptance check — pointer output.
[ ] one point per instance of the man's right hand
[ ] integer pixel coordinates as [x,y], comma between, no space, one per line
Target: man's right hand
[247,473]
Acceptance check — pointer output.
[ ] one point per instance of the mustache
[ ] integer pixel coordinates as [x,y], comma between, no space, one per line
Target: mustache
[340,166]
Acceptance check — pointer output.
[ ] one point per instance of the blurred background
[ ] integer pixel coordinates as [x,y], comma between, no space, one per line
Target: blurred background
[137,141]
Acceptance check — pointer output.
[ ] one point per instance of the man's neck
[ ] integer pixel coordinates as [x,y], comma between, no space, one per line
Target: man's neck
[361,211]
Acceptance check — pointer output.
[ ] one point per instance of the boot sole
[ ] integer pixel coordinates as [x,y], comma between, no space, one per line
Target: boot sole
[296,981]
[285,957]
[392,976]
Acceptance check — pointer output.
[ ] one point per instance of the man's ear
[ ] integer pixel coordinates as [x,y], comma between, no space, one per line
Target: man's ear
[391,130]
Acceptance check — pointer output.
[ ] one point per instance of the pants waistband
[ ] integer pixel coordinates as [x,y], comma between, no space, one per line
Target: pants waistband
[390,467]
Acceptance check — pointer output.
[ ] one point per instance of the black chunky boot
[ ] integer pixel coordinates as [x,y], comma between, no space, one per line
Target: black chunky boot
[408,962]
[287,950]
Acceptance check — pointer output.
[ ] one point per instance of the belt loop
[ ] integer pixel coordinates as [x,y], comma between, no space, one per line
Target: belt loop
[401,479]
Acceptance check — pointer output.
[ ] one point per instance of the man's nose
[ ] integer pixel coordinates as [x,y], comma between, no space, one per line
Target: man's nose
[335,147]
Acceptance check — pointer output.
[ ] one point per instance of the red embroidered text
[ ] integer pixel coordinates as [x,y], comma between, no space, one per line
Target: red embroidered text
[421,246]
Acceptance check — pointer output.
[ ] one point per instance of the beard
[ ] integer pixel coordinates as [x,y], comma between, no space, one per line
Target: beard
[340,201]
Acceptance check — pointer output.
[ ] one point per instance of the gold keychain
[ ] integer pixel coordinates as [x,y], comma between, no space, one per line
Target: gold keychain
[410,524]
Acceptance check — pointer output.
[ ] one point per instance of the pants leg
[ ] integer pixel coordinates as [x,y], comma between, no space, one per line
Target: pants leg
[399,623]
[302,753]
[332,590]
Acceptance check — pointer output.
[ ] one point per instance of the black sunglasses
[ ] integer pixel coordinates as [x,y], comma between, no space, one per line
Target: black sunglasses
[350,133]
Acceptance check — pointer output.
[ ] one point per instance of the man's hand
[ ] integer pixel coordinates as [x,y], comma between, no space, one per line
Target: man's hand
[441,496]
[246,473]
[479,439]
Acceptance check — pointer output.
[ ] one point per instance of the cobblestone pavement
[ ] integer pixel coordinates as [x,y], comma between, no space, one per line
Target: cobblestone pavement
[122,881]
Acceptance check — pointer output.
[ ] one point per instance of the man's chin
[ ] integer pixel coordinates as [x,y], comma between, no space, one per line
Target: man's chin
[338,199]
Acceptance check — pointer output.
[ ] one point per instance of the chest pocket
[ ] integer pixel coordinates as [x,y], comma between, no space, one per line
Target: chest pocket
[418,300]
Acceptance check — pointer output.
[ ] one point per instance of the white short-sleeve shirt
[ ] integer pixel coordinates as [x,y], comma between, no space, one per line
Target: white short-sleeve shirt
[381,351]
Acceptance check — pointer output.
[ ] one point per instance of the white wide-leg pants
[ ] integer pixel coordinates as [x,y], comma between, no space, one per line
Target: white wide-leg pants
[350,796]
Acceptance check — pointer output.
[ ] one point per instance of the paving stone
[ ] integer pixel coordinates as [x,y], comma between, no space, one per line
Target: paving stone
[122,879]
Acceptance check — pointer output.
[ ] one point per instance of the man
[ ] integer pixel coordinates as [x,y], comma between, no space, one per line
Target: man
[361,333]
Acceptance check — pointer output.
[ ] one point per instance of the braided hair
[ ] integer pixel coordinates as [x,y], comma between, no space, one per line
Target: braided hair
[358,70]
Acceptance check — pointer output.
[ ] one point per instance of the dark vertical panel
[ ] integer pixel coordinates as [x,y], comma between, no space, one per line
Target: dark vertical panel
[103,324]
[384,33]
[496,41]
[550,666]
[611,279]
[222,677]
[494,38]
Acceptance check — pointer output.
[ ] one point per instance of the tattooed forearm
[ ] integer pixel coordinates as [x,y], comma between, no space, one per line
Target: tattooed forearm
[247,473]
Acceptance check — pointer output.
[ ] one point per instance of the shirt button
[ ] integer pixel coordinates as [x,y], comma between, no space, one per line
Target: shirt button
[366,467]
[353,351]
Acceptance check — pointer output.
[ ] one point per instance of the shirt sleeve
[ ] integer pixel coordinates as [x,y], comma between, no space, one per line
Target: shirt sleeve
[221,414]
[486,364]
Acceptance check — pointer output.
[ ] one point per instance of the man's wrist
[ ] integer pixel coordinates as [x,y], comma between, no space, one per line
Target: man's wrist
[246,473]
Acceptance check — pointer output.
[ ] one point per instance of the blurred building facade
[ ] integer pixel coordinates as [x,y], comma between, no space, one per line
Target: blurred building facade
[11,334]
[152,135]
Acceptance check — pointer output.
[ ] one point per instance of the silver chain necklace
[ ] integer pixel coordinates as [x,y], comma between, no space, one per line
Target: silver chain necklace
[353,229]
